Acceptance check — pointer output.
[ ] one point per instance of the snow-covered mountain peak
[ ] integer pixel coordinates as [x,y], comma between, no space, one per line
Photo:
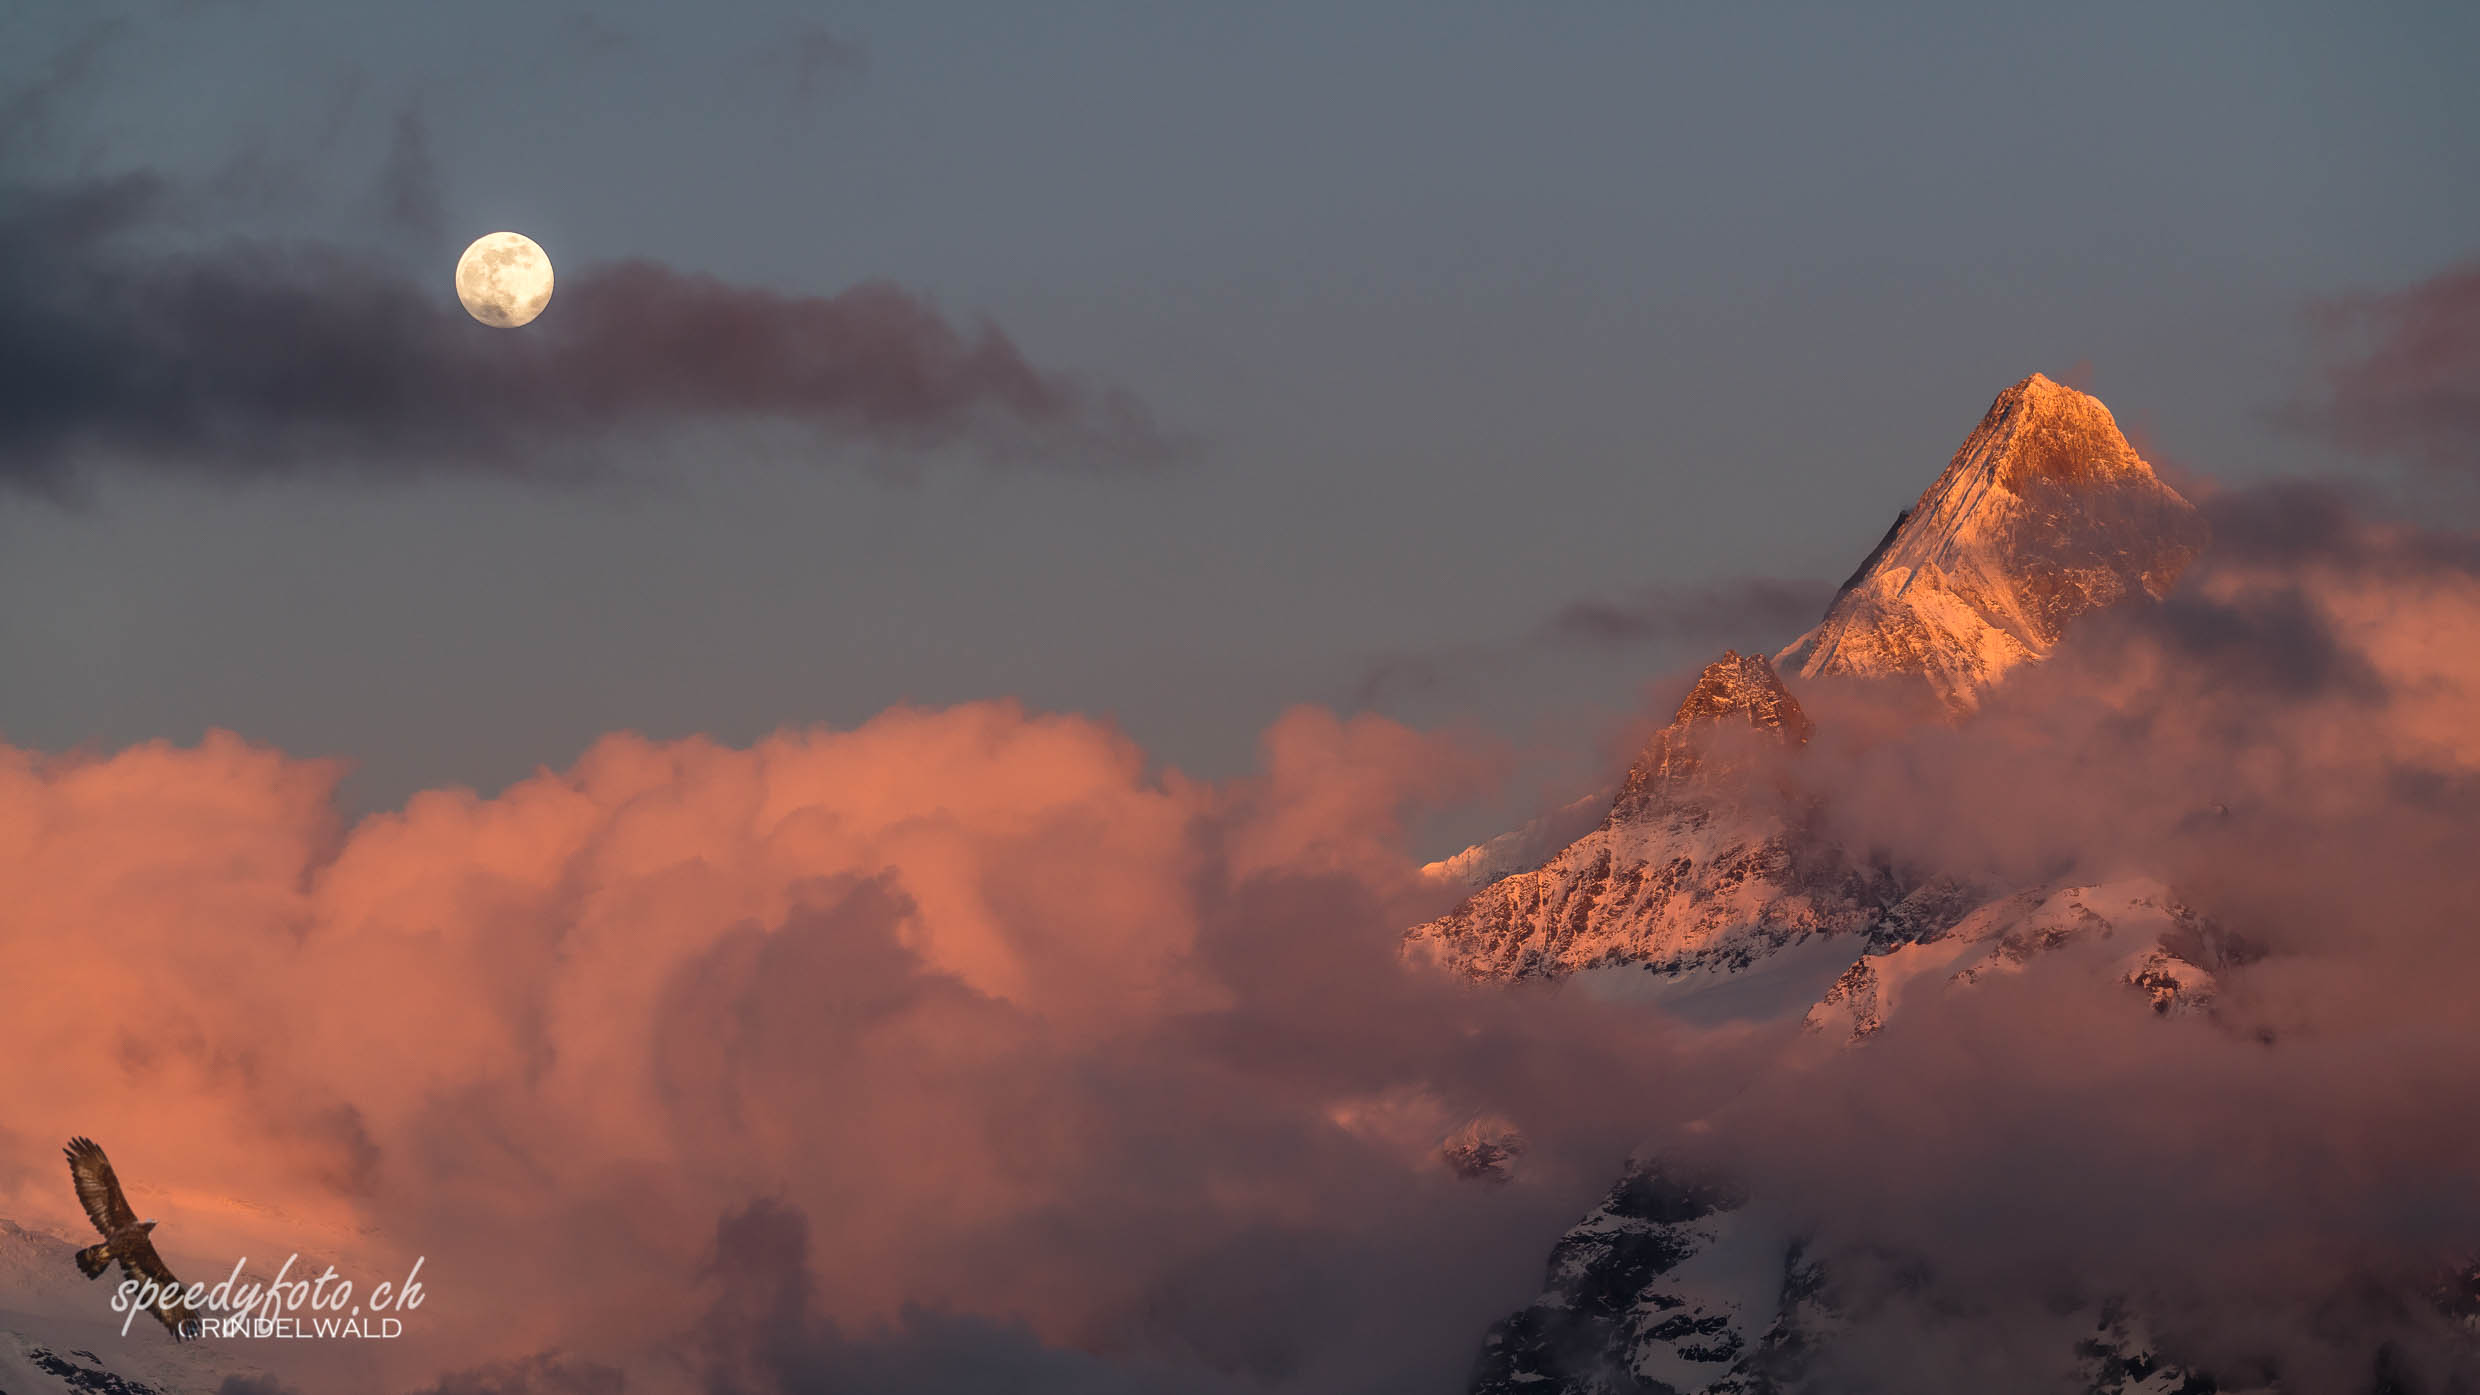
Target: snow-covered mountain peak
[2056,431]
[2044,514]
[1711,857]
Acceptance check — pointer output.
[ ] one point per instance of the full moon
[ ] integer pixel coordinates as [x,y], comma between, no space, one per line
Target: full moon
[504,279]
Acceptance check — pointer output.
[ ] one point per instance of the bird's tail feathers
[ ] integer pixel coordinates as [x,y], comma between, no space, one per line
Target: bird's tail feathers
[94,1259]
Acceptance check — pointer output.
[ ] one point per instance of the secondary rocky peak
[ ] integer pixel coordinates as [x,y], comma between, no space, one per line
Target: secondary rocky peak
[1735,691]
[2044,514]
[1699,861]
[1745,687]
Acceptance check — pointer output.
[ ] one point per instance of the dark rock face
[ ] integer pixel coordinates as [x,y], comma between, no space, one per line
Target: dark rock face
[1485,1150]
[1618,1312]
[2117,1360]
[85,1371]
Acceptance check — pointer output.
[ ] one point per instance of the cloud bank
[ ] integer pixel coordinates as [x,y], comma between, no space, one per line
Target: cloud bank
[120,341]
[1025,1036]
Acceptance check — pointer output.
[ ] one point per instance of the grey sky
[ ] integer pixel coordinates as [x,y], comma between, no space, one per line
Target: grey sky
[1472,312]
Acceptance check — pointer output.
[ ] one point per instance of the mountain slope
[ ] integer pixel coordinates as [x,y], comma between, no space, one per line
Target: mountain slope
[1523,848]
[2136,931]
[58,1333]
[2044,514]
[1699,862]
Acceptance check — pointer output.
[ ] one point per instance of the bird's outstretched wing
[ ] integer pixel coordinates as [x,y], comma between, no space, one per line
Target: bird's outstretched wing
[98,1190]
[139,1261]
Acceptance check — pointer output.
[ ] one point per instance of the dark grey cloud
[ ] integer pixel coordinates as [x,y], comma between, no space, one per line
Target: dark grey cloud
[2402,371]
[1668,614]
[2324,522]
[1643,622]
[1400,675]
[2277,644]
[119,341]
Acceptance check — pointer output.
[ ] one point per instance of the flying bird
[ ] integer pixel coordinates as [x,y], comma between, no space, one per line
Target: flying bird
[124,1236]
